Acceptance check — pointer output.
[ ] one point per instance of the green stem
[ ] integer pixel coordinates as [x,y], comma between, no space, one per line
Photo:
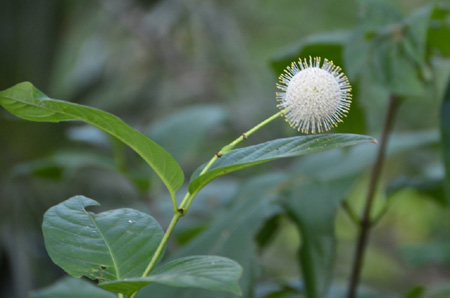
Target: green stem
[163,243]
[160,247]
[189,197]
[244,136]
[187,200]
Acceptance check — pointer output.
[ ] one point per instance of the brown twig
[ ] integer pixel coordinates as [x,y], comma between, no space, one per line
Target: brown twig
[366,223]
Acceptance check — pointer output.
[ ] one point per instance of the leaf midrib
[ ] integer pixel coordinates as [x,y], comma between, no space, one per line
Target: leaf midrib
[116,268]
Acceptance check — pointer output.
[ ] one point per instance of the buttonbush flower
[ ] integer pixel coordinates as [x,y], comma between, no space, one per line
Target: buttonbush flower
[315,97]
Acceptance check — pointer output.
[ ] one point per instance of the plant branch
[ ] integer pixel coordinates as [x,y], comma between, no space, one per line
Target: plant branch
[365,222]
[189,197]
[244,136]
[161,246]
[187,200]
[163,243]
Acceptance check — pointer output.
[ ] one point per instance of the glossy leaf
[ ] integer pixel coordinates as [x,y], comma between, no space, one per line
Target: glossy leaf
[70,287]
[107,246]
[280,148]
[206,272]
[27,102]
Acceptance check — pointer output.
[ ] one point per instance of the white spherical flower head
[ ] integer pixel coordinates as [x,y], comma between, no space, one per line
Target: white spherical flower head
[315,97]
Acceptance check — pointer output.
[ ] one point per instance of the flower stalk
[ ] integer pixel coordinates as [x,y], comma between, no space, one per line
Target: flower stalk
[313,98]
[244,136]
[188,198]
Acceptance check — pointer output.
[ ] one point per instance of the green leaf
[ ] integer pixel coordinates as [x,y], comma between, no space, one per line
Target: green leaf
[110,245]
[232,234]
[206,272]
[391,66]
[70,287]
[445,140]
[389,49]
[415,39]
[312,206]
[27,102]
[375,13]
[335,164]
[280,148]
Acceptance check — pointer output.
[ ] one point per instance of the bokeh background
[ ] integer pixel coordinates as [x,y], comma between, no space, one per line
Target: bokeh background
[193,75]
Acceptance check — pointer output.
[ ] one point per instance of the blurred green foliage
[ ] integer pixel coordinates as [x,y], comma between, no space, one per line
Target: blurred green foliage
[161,65]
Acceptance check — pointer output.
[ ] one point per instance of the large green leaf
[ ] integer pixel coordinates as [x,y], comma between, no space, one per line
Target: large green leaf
[107,246]
[445,135]
[206,272]
[389,49]
[373,15]
[70,287]
[312,206]
[281,148]
[27,102]
[391,67]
